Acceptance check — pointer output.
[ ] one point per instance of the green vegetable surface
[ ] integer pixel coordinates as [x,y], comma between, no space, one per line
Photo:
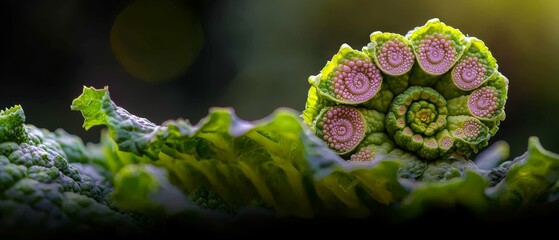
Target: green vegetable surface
[48,180]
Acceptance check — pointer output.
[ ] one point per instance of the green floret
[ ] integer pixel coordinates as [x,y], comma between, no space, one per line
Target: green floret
[350,77]
[381,101]
[470,134]
[501,84]
[437,47]
[76,150]
[48,206]
[11,125]
[393,55]
[379,139]
[474,68]
[417,121]
[10,173]
[38,185]
[373,119]
[486,103]
[343,127]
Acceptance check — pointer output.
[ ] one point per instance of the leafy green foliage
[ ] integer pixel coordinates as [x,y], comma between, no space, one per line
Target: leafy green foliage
[530,179]
[279,161]
[243,162]
[146,188]
[466,189]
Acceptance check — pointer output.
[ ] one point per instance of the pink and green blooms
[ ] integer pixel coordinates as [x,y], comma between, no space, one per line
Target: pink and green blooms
[439,91]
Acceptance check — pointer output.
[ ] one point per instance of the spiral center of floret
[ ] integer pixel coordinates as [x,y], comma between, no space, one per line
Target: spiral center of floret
[358,83]
[418,120]
[469,73]
[356,80]
[436,53]
[483,102]
[342,130]
[471,129]
[395,57]
[420,116]
[342,127]
[425,115]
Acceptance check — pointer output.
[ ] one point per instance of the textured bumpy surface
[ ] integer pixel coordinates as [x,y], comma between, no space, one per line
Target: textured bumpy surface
[46,181]
[434,92]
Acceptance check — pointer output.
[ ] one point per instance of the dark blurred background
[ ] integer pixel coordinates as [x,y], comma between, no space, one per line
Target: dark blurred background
[171,59]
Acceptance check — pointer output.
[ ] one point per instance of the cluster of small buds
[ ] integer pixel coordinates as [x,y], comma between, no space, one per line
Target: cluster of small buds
[433,92]
[342,128]
[437,53]
[356,80]
[395,57]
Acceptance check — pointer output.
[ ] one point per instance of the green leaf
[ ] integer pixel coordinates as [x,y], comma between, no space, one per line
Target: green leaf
[146,188]
[277,160]
[12,125]
[465,191]
[530,178]
[130,132]
[91,103]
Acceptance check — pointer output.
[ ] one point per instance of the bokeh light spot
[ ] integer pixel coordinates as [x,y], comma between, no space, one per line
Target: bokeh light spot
[156,41]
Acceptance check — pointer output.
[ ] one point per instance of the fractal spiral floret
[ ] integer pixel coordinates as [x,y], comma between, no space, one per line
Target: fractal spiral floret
[434,92]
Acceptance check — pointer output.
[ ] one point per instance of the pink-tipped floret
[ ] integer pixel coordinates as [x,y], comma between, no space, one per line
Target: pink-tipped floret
[446,143]
[395,57]
[471,129]
[343,128]
[469,73]
[356,80]
[437,53]
[483,102]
